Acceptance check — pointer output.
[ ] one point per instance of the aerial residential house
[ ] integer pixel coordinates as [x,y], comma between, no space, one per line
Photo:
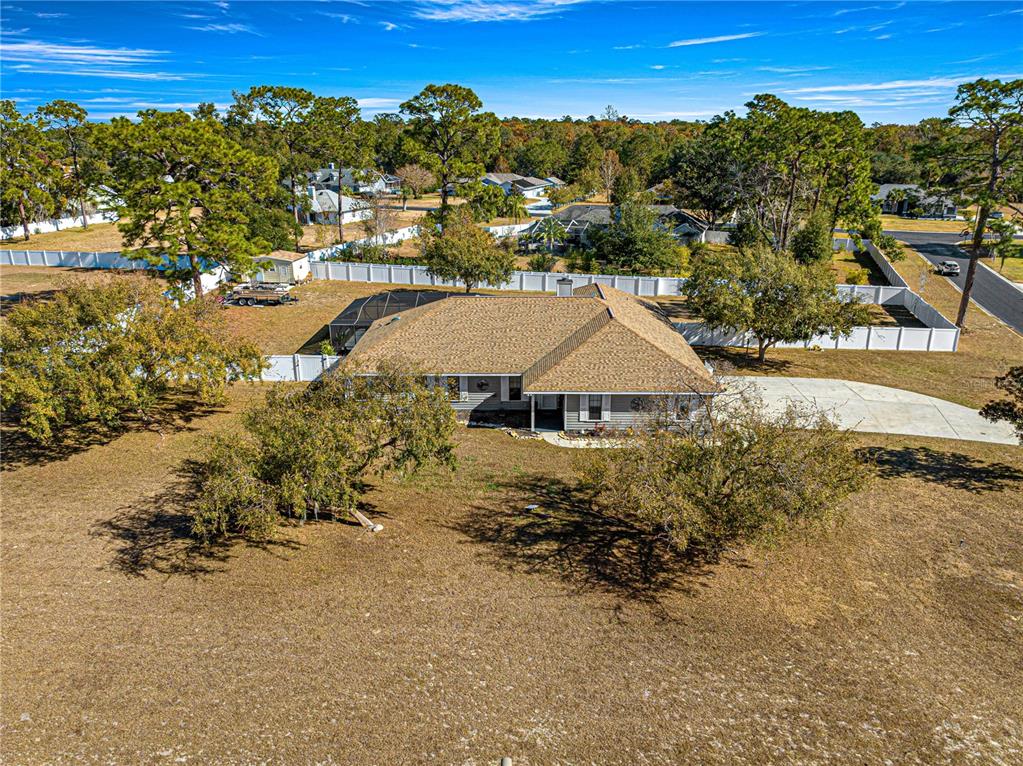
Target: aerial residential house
[362,181]
[903,199]
[282,266]
[322,207]
[582,220]
[527,186]
[587,359]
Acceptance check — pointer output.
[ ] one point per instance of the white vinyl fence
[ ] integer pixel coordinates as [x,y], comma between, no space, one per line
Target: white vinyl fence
[527,281]
[56,224]
[297,367]
[388,238]
[76,259]
[939,334]
[508,230]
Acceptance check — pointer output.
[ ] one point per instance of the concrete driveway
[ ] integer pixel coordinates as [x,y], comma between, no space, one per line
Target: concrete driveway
[879,409]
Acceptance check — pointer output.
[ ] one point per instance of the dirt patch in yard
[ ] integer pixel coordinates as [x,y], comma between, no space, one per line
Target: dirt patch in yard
[472,628]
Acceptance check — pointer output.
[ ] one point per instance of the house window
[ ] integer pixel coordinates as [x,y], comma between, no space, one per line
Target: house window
[594,407]
[452,385]
[515,390]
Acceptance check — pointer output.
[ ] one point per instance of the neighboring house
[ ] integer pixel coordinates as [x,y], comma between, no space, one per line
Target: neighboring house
[527,186]
[363,181]
[580,221]
[282,266]
[902,199]
[587,359]
[323,207]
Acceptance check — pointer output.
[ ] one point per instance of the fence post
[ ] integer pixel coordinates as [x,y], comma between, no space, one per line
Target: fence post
[898,341]
[296,368]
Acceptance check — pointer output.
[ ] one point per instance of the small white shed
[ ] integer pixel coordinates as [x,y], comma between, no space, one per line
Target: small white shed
[283,266]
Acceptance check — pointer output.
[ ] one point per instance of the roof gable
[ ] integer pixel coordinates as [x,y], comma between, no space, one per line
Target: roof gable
[598,339]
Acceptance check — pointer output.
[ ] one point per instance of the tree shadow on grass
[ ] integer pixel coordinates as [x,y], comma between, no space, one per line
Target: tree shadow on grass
[568,536]
[952,469]
[174,414]
[153,536]
[726,360]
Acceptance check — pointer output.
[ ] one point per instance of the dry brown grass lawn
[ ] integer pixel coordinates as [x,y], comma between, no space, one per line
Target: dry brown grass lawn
[896,223]
[843,262]
[471,628]
[100,237]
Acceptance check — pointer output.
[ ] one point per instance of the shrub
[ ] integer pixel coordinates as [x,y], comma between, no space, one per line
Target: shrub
[542,262]
[857,277]
[307,451]
[890,247]
[100,353]
[812,243]
[741,476]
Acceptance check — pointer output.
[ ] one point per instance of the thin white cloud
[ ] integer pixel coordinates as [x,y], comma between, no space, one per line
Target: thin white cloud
[35,51]
[625,47]
[709,40]
[883,37]
[370,103]
[222,5]
[119,74]
[49,15]
[792,69]
[864,8]
[389,26]
[489,10]
[933,82]
[344,18]
[228,29]
[657,66]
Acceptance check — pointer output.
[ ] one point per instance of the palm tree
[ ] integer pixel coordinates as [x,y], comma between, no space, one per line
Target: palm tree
[549,231]
[515,206]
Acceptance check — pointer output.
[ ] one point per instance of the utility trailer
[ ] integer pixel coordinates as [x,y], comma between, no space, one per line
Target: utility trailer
[262,294]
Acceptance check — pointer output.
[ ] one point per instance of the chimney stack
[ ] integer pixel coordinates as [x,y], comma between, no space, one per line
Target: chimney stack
[565,287]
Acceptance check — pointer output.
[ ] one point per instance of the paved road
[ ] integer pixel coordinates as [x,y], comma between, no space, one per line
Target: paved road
[994,294]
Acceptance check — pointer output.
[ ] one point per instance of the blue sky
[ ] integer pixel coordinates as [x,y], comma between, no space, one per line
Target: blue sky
[888,61]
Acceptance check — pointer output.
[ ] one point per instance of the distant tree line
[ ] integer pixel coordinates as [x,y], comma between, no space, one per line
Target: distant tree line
[220,188]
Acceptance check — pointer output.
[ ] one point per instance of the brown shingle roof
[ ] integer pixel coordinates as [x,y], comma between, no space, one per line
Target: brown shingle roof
[599,340]
[475,334]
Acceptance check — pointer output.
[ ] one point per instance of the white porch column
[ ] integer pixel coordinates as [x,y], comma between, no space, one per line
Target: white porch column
[532,412]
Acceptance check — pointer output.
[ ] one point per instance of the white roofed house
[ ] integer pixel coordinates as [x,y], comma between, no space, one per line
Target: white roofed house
[514,183]
[322,207]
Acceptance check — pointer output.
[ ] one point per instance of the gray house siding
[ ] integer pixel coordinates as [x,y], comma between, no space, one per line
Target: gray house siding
[489,400]
[621,415]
